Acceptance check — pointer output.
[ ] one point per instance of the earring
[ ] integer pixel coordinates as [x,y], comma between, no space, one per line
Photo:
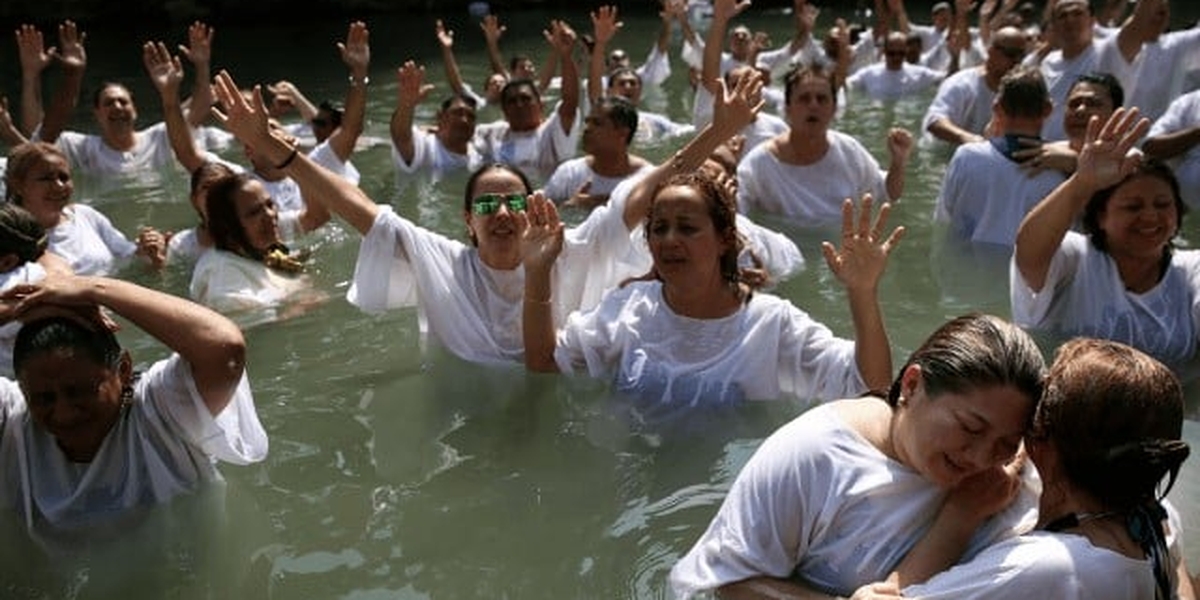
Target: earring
[127,395]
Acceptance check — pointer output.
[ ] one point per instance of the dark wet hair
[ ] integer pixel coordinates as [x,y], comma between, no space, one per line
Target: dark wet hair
[817,70]
[722,210]
[20,233]
[1023,93]
[621,112]
[53,333]
[1148,167]
[104,86]
[21,159]
[223,223]
[976,351]
[622,71]
[514,85]
[465,99]
[335,112]
[1105,80]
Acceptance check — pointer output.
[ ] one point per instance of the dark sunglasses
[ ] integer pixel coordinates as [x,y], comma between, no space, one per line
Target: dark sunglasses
[488,204]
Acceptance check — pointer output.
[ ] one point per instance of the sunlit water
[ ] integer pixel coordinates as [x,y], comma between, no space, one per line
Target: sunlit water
[399,471]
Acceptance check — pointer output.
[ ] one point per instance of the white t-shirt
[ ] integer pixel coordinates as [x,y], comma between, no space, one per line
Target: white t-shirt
[537,153]
[985,195]
[671,363]
[430,155]
[185,246]
[228,283]
[1061,74]
[1156,75]
[819,503]
[87,240]
[474,310]
[1084,296]
[570,176]
[164,444]
[812,193]
[27,273]
[880,83]
[1183,113]
[965,99]
[1040,564]
[88,153]
[652,127]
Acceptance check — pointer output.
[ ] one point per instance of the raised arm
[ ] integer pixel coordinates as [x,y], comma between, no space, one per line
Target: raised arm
[1104,161]
[8,130]
[445,38]
[859,265]
[34,59]
[899,144]
[562,38]
[723,11]
[732,111]
[604,27]
[492,30]
[356,53]
[1141,27]
[290,94]
[73,59]
[1170,145]
[411,91]
[198,51]
[166,73]
[211,344]
[249,123]
[541,244]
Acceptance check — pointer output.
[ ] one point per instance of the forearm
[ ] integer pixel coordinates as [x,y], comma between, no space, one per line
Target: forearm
[343,140]
[945,129]
[569,105]
[686,160]
[548,70]
[179,133]
[202,96]
[318,184]
[711,71]
[895,178]
[538,322]
[1042,230]
[401,130]
[872,351]
[62,104]
[596,73]
[495,58]
[453,75]
[1170,145]
[31,102]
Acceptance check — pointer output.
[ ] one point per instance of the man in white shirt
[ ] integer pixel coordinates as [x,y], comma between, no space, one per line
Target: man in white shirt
[962,107]
[587,181]
[894,78]
[445,150]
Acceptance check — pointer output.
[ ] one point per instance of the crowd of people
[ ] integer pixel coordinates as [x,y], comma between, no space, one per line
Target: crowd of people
[975,470]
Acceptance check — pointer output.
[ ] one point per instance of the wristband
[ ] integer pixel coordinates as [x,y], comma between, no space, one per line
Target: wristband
[287,161]
[355,82]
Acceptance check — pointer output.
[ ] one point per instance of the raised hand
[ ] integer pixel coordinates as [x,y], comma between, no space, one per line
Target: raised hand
[198,50]
[165,71]
[542,233]
[356,51]
[605,24]
[492,29]
[861,260]
[246,120]
[411,81]
[725,10]
[561,37]
[32,50]
[70,46]
[445,37]
[738,107]
[1104,158]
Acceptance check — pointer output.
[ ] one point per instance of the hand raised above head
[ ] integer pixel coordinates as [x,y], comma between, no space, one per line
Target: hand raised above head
[492,29]
[34,55]
[165,71]
[542,233]
[445,37]
[198,50]
[247,120]
[605,24]
[738,107]
[356,50]
[70,46]
[411,80]
[860,261]
[1104,158]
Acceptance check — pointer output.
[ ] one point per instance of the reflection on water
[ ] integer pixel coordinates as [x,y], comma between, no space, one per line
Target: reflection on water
[400,473]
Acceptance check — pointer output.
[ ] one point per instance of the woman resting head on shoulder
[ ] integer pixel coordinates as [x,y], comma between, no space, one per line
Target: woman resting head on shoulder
[250,267]
[1106,442]
[84,436]
[876,474]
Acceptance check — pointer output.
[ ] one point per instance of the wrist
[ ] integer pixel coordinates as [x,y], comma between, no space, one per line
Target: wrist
[359,80]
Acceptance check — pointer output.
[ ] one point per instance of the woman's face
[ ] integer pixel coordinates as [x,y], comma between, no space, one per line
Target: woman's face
[72,398]
[497,234]
[683,240]
[46,189]
[257,215]
[1139,219]
[955,435]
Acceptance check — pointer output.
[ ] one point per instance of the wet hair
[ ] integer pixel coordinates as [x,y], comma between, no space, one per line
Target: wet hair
[335,113]
[21,159]
[514,85]
[1149,167]
[516,60]
[722,210]
[224,224]
[54,333]
[621,112]
[20,233]
[465,99]
[802,71]
[1105,80]
[1023,93]
[972,352]
[104,86]
[1115,417]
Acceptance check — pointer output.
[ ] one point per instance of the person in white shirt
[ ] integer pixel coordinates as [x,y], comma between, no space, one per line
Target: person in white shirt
[587,181]
[962,107]
[807,172]
[1175,137]
[894,78]
[834,500]
[86,440]
[1153,63]
[446,150]
[1107,442]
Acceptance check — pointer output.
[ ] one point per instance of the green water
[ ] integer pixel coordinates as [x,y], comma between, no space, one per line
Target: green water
[398,472]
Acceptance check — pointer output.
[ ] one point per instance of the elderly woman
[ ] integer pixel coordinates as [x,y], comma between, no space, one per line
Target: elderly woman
[1121,279]
[39,180]
[83,436]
